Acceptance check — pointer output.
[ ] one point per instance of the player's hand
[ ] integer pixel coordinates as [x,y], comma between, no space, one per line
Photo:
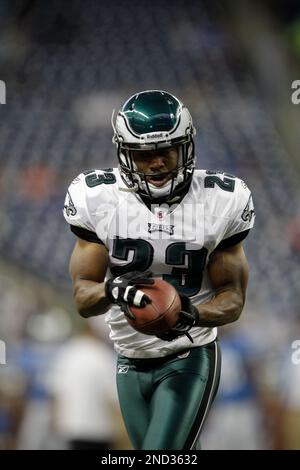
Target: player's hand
[122,290]
[188,318]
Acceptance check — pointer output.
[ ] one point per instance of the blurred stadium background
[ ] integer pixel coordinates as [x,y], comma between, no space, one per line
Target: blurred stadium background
[66,65]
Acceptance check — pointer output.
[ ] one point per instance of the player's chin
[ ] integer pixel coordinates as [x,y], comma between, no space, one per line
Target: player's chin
[158,181]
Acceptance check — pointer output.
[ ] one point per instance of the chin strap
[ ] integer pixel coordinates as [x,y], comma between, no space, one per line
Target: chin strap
[127,190]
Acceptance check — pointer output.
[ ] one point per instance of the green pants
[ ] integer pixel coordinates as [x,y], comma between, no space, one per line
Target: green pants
[164,401]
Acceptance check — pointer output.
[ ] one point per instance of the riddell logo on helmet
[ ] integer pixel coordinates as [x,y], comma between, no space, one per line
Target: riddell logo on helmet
[155,135]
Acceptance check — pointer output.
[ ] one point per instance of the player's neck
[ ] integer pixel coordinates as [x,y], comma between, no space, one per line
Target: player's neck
[158,201]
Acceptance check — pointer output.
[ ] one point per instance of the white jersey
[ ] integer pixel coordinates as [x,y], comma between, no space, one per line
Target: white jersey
[174,242]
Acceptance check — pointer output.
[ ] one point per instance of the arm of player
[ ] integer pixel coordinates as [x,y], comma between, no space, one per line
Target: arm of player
[93,296]
[88,265]
[228,271]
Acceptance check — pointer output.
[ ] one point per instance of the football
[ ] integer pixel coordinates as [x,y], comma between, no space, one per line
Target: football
[163,311]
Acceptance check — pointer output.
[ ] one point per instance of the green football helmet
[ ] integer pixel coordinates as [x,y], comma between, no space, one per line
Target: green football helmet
[152,120]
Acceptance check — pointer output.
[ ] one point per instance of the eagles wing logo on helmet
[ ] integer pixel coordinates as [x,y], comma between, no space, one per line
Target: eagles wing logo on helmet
[152,120]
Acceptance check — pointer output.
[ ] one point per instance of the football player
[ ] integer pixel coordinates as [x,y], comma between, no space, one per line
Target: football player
[156,216]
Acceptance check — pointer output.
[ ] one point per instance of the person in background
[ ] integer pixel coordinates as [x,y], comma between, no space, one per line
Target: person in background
[85,410]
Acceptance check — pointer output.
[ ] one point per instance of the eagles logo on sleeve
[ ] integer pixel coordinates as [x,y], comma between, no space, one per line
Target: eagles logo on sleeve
[69,206]
[249,211]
